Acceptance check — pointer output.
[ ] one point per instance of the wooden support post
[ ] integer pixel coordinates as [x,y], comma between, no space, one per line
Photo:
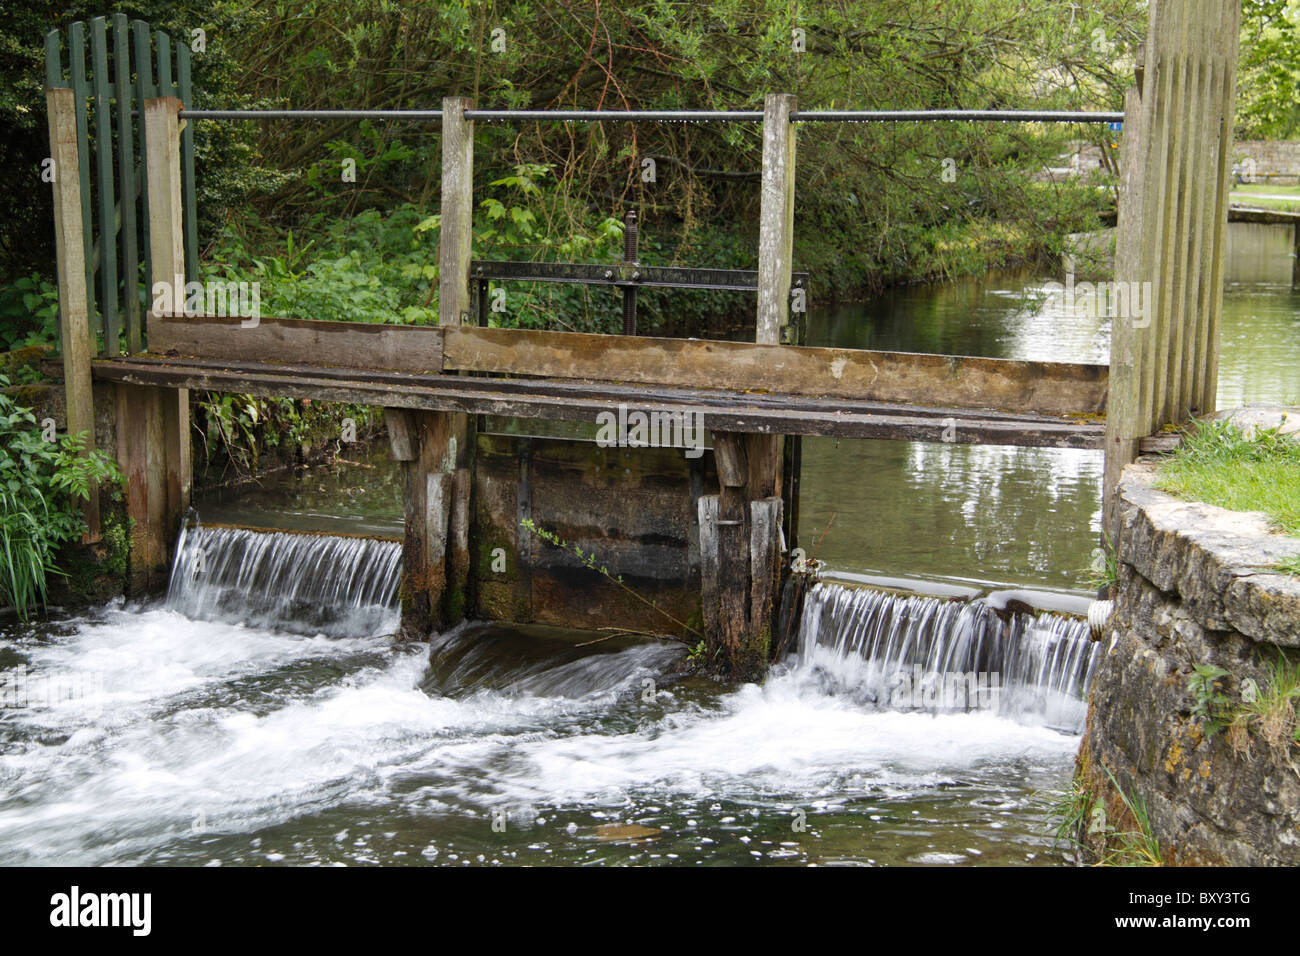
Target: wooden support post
[1171,238]
[454,251]
[1295,262]
[74,317]
[163,170]
[141,452]
[1220,113]
[740,532]
[740,528]
[776,219]
[1127,412]
[454,244]
[156,455]
[433,529]
[401,433]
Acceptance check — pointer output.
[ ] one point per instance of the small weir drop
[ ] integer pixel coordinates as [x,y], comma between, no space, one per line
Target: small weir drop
[307,583]
[901,652]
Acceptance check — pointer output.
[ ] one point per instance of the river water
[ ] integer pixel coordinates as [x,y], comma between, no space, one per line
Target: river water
[230,726]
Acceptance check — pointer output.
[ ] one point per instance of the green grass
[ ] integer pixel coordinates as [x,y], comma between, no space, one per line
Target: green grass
[1273,189]
[1133,847]
[1219,465]
[1080,822]
[1263,189]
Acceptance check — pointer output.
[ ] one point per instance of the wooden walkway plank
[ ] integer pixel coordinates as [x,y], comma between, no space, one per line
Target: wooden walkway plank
[720,410]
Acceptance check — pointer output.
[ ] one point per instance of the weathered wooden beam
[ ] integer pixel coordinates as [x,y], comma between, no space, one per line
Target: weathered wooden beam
[1128,413]
[178,462]
[142,457]
[1222,111]
[163,172]
[776,218]
[435,550]
[708,518]
[399,348]
[425,488]
[74,317]
[740,531]
[764,568]
[581,402]
[1161,444]
[454,253]
[402,438]
[455,233]
[162,130]
[1049,388]
[729,455]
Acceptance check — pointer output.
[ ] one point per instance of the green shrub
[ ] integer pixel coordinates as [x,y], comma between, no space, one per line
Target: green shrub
[42,484]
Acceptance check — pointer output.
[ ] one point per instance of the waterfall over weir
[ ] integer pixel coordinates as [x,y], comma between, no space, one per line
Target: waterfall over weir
[901,652]
[309,583]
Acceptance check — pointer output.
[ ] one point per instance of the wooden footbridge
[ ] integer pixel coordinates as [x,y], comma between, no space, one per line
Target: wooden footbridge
[755,398]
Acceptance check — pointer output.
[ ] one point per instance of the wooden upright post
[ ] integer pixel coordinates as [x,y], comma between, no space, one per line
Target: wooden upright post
[153,424]
[776,219]
[436,448]
[1130,337]
[426,445]
[1171,239]
[74,318]
[1295,262]
[456,238]
[740,527]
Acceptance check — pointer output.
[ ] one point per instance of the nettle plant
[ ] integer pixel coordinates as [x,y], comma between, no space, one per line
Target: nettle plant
[44,478]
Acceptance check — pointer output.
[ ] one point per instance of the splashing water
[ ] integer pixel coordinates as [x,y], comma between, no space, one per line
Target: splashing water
[307,583]
[923,653]
[198,734]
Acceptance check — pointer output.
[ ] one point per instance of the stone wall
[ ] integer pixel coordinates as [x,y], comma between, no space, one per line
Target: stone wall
[1194,588]
[1275,162]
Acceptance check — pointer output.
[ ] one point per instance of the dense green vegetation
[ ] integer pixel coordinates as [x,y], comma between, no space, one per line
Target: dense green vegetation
[877,203]
[1268,70]
[42,483]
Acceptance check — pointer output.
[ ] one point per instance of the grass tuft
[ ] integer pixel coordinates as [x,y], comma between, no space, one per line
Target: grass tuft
[1220,465]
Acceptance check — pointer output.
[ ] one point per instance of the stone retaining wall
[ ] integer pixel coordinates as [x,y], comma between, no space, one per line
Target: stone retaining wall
[1195,587]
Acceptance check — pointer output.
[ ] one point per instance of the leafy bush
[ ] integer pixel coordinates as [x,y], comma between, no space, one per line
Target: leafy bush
[29,313]
[42,484]
[235,431]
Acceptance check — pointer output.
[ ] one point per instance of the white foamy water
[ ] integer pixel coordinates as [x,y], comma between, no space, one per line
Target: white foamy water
[201,741]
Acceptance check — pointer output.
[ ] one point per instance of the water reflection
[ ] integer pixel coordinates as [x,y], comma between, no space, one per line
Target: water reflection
[1027,516]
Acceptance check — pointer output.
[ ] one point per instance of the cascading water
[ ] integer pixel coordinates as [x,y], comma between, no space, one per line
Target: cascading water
[309,583]
[922,653]
[205,731]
